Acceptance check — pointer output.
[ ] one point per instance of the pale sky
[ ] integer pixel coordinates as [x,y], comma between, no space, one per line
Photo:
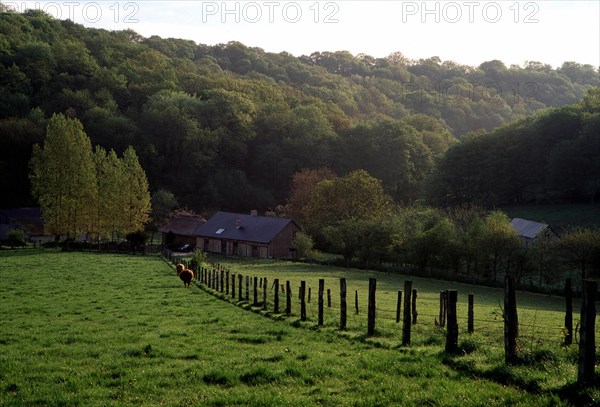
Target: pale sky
[467,32]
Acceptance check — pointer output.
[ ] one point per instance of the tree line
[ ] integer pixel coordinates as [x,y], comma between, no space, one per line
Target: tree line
[353,216]
[227,126]
[552,156]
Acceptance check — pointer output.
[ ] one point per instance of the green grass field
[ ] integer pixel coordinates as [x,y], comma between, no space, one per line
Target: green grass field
[92,329]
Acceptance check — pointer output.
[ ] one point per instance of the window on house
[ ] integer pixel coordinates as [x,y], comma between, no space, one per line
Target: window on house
[218,232]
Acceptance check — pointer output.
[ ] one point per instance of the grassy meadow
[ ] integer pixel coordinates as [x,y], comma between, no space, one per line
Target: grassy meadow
[101,329]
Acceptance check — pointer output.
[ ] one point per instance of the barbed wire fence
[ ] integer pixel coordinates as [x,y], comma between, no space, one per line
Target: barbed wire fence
[364,313]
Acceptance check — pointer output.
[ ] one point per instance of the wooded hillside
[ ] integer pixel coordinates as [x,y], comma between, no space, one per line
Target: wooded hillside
[226,126]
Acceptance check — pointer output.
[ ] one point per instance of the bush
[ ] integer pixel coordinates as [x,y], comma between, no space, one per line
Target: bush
[16,238]
[137,240]
[303,244]
[198,259]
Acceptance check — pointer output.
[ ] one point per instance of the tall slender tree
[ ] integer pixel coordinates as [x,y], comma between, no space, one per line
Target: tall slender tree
[137,207]
[63,178]
[110,203]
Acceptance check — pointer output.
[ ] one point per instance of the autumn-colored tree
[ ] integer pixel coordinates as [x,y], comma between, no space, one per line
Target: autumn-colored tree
[304,183]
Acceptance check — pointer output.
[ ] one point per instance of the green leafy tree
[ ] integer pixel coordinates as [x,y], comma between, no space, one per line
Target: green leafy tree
[427,233]
[341,210]
[303,244]
[497,240]
[163,203]
[63,178]
[110,200]
[391,151]
[580,248]
[137,206]
[355,196]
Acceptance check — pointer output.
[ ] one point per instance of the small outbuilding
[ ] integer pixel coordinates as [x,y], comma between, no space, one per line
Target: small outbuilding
[530,232]
[181,229]
[234,234]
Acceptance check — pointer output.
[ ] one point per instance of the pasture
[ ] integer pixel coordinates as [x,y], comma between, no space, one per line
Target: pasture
[100,329]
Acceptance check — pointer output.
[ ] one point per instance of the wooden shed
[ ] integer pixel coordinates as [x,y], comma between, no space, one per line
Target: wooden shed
[234,234]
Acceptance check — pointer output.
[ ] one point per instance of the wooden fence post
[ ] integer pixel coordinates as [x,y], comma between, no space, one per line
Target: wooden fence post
[356,301]
[452,330]
[414,306]
[443,308]
[288,298]
[329,298]
[302,301]
[471,314]
[265,293]
[321,301]
[587,338]
[240,287]
[511,323]
[255,292]
[248,288]
[232,285]
[399,306]
[372,307]
[406,323]
[568,312]
[343,305]
[227,282]
[222,278]
[276,297]
[309,291]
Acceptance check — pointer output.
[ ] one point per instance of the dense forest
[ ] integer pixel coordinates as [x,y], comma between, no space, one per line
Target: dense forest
[227,126]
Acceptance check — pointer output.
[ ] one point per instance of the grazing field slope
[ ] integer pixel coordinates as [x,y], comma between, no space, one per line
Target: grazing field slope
[93,329]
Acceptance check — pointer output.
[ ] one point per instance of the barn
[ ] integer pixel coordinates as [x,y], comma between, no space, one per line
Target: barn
[530,232]
[180,230]
[234,234]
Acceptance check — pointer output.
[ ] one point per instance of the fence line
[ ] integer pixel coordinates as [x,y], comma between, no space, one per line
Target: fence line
[311,311]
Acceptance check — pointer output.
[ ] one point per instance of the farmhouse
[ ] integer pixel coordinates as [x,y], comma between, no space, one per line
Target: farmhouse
[530,232]
[181,230]
[29,220]
[247,235]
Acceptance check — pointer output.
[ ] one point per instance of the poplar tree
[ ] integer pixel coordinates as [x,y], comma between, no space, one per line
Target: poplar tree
[137,207]
[63,178]
[110,202]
